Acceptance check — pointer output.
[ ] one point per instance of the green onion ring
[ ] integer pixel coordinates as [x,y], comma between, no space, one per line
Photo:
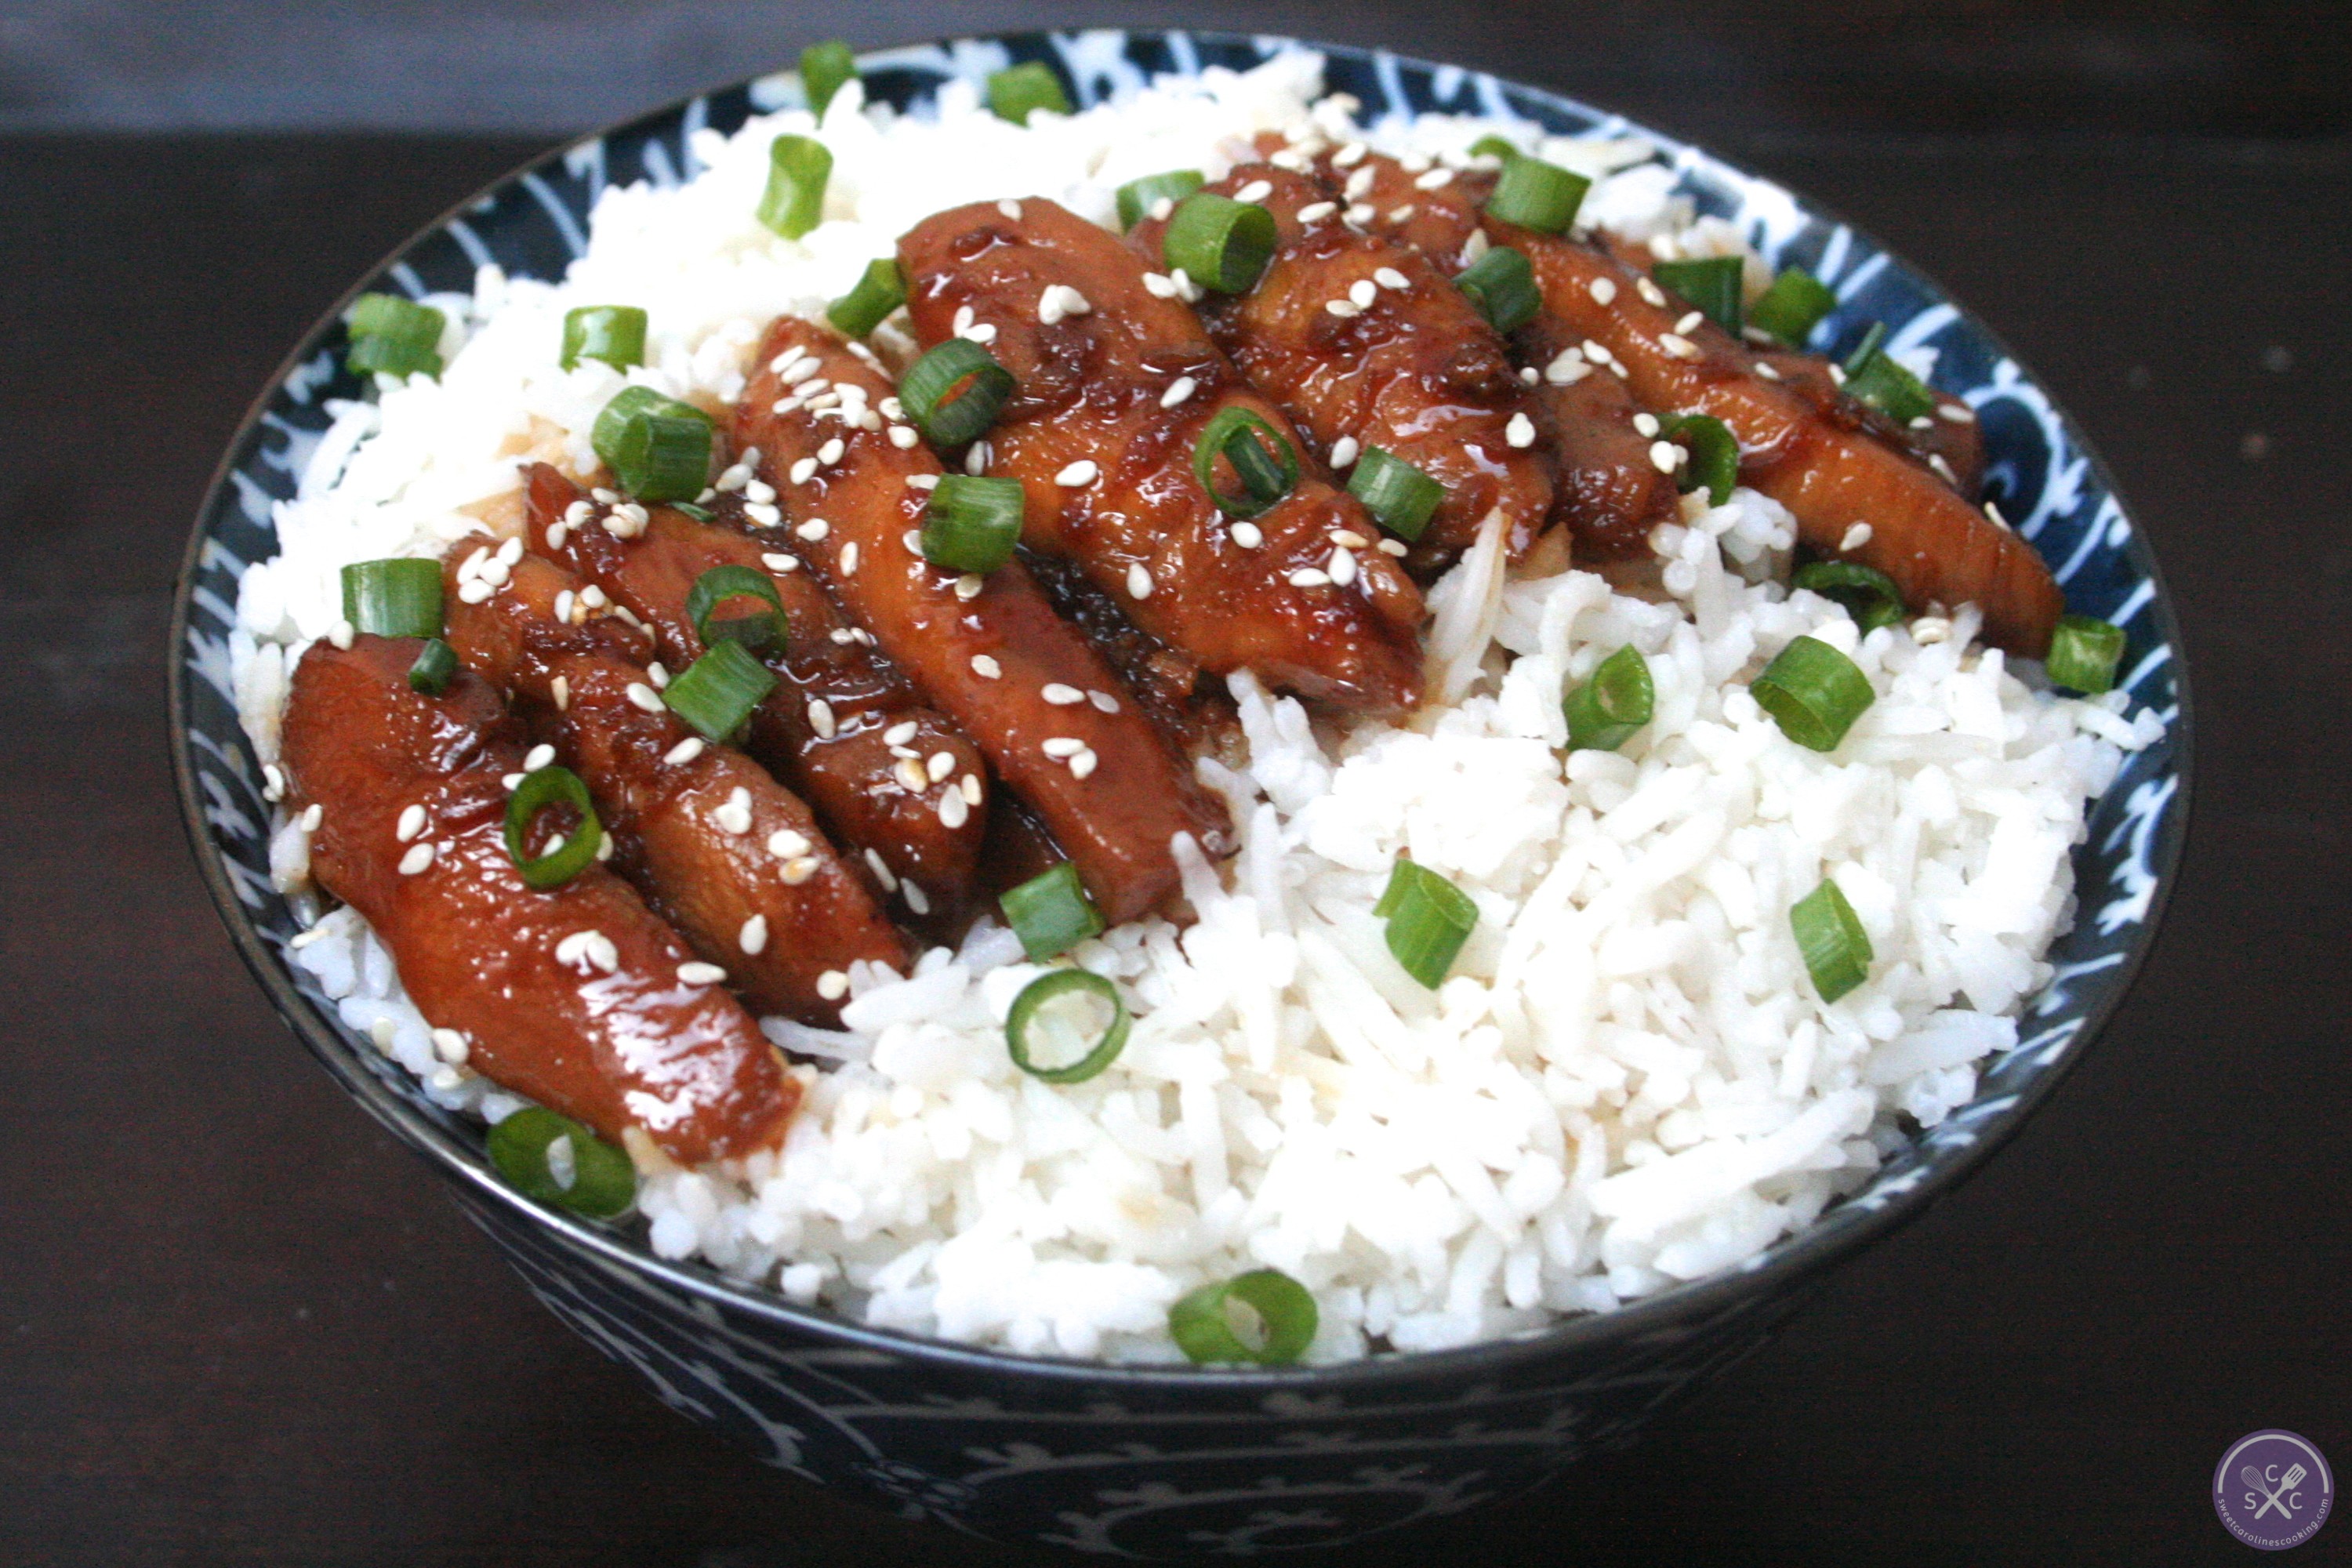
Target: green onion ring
[604,1182]
[1714,452]
[1538,195]
[1712,285]
[717,692]
[393,336]
[553,785]
[435,667]
[1019,91]
[1604,713]
[1218,242]
[1869,596]
[657,448]
[1400,497]
[1813,692]
[399,597]
[1261,458]
[1502,285]
[1829,933]
[614,334]
[1792,307]
[721,583]
[971,524]
[923,392]
[1137,197]
[798,169]
[881,289]
[1051,912]
[1874,377]
[1045,989]
[1429,920]
[2083,654]
[1202,1322]
[825,69]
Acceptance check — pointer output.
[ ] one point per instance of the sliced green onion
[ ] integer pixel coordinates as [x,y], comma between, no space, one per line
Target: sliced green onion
[1503,286]
[721,583]
[435,668]
[1429,920]
[1604,713]
[1496,147]
[395,598]
[1869,596]
[1714,464]
[1051,913]
[1263,1316]
[1813,692]
[614,334]
[1836,949]
[1399,497]
[971,524]
[1711,284]
[2083,654]
[825,69]
[1219,243]
[687,508]
[1024,1021]
[1538,195]
[1261,459]
[659,448]
[881,289]
[951,422]
[552,786]
[393,335]
[1031,85]
[1873,376]
[602,1183]
[798,168]
[1792,307]
[1137,197]
[719,690]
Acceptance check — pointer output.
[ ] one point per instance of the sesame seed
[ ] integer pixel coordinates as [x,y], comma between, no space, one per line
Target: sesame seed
[1083,765]
[564,606]
[273,782]
[969,787]
[1161,208]
[1309,578]
[1358,184]
[1598,353]
[1943,470]
[1345,451]
[849,559]
[698,973]
[644,697]
[904,438]
[1477,246]
[1361,214]
[411,823]
[1566,368]
[784,405]
[1664,456]
[1158,286]
[1060,747]
[1185,288]
[1363,292]
[830,453]
[1678,345]
[985,666]
[578,512]
[916,900]
[1528,375]
[815,528]
[1647,424]
[764,515]
[799,869]
[753,937]
[983,334]
[1390,277]
[1855,537]
[1077,475]
[820,717]
[954,811]
[811,387]
[468,593]
[975,459]
[1177,391]
[963,320]
[1603,289]
[842,636]
[685,752]
[1993,512]
[1393,547]
[940,766]
[1138,582]
[1433,180]
[1009,208]
[1345,310]
[1342,568]
[1921,422]
[603,497]
[785,843]
[832,985]
[1521,432]
[737,476]
[1651,293]
[804,470]
[1316,212]
[1689,324]
[1957,413]
[1255,191]
[593,597]
[1104,702]
[450,1046]
[1248,535]
[900,734]
[776,562]
[1764,369]
[559,691]
[1350,155]
[923,481]
[882,872]
[418,857]
[1347,538]
[1062,696]
[911,542]
[909,775]
[968,587]
[658,674]
[556,534]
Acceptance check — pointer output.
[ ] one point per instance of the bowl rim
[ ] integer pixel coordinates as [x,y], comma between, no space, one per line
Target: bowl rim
[1788,1266]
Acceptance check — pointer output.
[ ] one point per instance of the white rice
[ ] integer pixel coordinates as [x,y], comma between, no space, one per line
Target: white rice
[1629,1081]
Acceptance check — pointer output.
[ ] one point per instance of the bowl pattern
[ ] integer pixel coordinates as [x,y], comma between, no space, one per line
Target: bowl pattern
[1152,1462]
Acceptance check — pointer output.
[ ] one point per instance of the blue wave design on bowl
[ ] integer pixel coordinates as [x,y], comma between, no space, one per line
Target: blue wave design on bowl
[1157,1462]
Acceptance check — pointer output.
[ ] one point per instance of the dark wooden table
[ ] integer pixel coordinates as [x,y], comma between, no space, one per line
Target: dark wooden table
[240,1325]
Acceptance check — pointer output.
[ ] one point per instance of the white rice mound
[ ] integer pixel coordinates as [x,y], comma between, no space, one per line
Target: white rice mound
[1628,1081]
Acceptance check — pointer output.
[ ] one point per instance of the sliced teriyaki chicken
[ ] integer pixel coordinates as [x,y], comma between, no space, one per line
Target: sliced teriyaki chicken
[842,726]
[576,996]
[1057,724]
[729,855]
[1361,340]
[1113,388]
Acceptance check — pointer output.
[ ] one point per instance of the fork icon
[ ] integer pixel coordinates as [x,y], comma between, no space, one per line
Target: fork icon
[2287,1483]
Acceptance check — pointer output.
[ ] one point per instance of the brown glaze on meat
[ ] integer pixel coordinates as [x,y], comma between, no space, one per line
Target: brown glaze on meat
[628,1045]
[1103,387]
[1356,336]
[1827,473]
[1950,442]
[1610,489]
[827,728]
[1118,794]
[1191,706]
[717,845]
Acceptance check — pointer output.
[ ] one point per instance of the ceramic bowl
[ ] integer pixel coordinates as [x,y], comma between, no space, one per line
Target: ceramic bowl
[1162,1462]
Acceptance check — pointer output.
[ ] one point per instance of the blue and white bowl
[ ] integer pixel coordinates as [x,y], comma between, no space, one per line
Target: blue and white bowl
[1156,1462]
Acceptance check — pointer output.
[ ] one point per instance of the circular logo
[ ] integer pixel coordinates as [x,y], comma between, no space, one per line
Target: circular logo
[2273,1489]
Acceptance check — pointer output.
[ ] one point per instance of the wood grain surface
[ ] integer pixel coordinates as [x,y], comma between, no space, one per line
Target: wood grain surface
[240,1325]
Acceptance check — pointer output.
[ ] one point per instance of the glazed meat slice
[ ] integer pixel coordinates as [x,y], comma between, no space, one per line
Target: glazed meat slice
[1607,492]
[842,726]
[718,846]
[1949,442]
[1112,393]
[572,994]
[1191,706]
[1827,471]
[1359,338]
[1056,722]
